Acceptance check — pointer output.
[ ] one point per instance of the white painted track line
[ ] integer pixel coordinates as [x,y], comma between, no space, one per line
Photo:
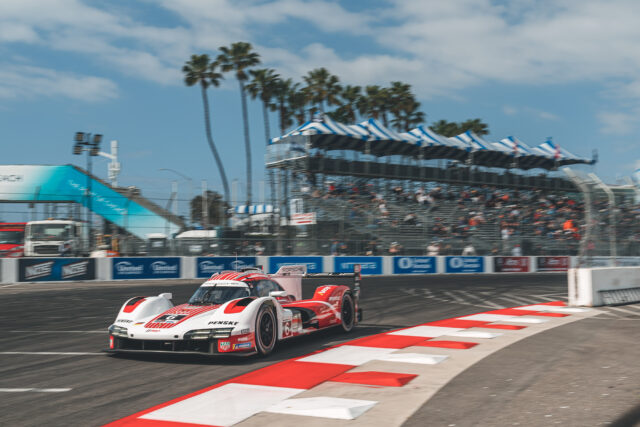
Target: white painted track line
[34,390]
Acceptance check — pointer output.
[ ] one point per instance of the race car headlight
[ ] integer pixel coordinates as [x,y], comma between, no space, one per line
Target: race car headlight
[203,334]
[118,331]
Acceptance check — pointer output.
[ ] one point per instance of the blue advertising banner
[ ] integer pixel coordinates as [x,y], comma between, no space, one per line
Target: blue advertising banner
[146,268]
[206,266]
[414,264]
[54,269]
[464,264]
[313,263]
[370,264]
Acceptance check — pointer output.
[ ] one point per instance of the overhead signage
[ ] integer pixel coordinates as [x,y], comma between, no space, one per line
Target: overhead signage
[369,264]
[414,264]
[313,263]
[303,218]
[146,268]
[464,264]
[56,269]
[207,266]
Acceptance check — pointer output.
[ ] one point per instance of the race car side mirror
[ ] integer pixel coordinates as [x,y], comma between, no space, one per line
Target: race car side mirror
[277,294]
[168,295]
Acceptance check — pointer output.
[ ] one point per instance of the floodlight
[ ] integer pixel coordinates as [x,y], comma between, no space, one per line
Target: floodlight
[79,136]
[97,138]
[77,149]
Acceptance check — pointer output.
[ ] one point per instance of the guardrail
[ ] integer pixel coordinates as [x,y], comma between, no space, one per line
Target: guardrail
[13,270]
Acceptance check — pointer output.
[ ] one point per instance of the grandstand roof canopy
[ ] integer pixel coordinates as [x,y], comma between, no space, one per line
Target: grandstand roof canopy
[372,137]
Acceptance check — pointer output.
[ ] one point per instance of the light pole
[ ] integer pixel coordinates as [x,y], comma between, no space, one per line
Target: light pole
[190,188]
[91,144]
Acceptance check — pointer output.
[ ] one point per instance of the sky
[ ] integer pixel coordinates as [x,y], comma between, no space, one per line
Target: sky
[567,69]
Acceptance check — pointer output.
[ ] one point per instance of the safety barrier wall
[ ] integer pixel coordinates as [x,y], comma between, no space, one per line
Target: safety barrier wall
[589,286]
[14,270]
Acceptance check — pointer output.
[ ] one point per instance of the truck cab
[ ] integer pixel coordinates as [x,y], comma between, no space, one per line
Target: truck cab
[12,239]
[56,237]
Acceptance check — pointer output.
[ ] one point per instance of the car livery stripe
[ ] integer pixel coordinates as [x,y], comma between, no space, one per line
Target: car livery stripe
[268,391]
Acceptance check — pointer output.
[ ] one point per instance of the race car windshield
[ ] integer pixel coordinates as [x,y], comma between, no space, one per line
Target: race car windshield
[217,295]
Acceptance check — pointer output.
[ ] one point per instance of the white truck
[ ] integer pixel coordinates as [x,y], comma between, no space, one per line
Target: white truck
[56,237]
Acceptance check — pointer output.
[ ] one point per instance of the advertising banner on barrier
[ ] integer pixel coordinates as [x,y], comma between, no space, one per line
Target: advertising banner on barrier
[206,266]
[55,269]
[146,268]
[370,264]
[552,263]
[414,264]
[511,264]
[313,263]
[464,264]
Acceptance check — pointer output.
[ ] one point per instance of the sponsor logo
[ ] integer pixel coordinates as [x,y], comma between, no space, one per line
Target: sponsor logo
[152,330]
[79,268]
[363,265]
[11,178]
[125,267]
[210,267]
[238,264]
[38,270]
[224,345]
[242,345]
[244,331]
[247,338]
[123,321]
[138,323]
[170,318]
[161,267]
[324,290]
[223,322]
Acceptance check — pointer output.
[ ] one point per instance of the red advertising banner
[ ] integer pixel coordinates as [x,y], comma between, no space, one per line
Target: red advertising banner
[552,263]
[511,264]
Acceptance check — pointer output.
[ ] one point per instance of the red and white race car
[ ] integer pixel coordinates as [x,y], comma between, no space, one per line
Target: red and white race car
[233,312]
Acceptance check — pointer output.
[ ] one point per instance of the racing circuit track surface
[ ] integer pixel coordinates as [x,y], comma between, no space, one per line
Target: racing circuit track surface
[584,373]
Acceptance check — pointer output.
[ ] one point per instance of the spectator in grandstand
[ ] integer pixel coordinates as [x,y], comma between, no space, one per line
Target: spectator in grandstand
[433,249]
[468,250]
[259,248]
[410,219]
[395,248]
[372,248]
[517,250]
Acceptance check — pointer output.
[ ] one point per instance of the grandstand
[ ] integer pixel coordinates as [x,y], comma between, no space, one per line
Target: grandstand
[376,191]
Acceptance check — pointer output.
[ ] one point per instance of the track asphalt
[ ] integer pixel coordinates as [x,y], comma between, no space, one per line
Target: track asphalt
[581,374]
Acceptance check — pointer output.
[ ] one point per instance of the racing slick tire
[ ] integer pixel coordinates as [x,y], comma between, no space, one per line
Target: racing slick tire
[266,330]
[348,313]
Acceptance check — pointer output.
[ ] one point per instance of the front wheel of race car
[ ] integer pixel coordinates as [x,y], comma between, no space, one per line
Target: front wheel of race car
[266,330]
[347,313]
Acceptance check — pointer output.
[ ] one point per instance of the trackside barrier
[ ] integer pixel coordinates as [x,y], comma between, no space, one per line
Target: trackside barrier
[603,285]
[14,270]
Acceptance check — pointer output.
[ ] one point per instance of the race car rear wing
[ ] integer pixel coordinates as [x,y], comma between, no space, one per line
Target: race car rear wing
[290,278]
[357,268]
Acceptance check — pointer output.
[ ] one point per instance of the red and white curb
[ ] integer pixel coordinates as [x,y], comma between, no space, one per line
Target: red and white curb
[376,380]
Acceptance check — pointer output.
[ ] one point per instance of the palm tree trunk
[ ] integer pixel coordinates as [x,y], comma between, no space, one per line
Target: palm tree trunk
[216,156]
[247,141]
[267,137]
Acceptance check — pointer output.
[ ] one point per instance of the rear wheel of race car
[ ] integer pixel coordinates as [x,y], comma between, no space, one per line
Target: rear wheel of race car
[266,330]
[348,313]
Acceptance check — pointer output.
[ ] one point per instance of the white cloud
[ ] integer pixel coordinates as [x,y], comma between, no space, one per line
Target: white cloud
[28,82]
[617,123]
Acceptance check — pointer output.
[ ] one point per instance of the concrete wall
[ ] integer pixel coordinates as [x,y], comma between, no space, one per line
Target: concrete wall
[585,284]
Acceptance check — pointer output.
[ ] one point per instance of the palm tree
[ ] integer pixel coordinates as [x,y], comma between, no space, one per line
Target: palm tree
[445,128]
[408,116]
[346,111]
[297,100]
[322,87]
[282,90]
[476,126]
[371,103]
[238,58]
[200,70]
[263,86]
